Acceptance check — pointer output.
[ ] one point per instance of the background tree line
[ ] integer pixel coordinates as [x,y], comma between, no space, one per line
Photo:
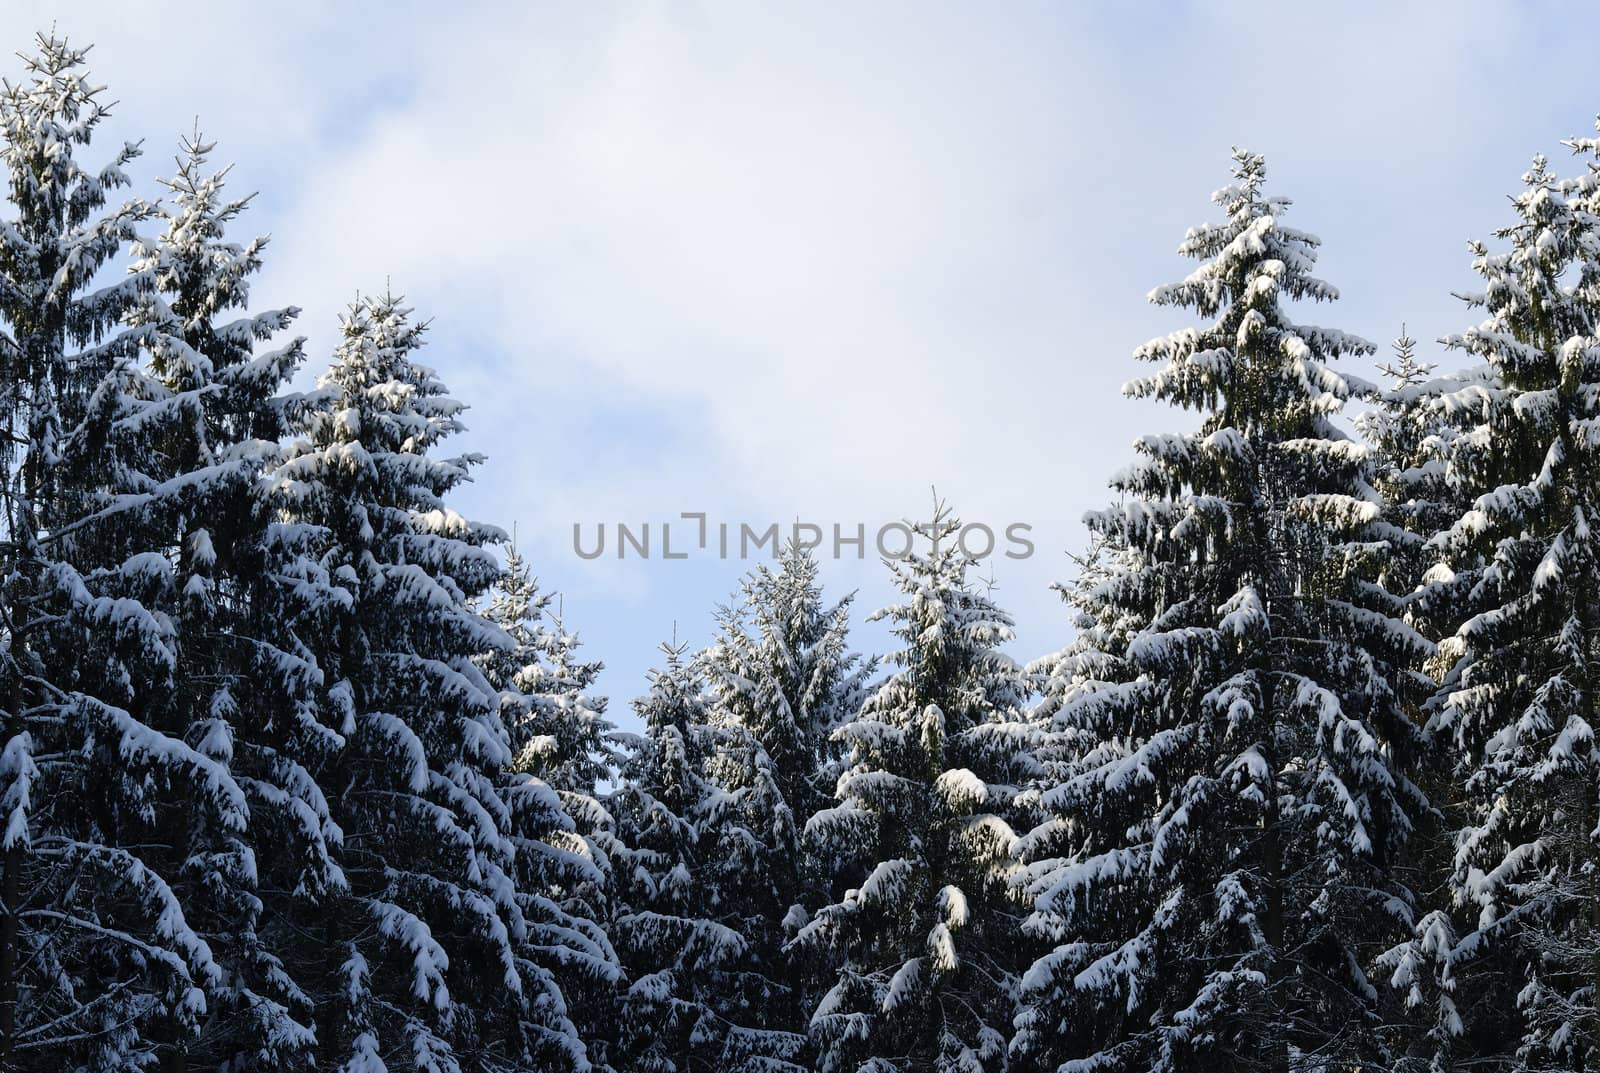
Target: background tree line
[302,770]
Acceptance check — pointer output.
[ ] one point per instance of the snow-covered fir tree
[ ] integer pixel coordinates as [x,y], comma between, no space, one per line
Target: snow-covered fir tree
[1518,707]
[1414,428]
[581,752]
[1101,627]
[1410,446]
[565,733]
[682,841]
[560,741]
[181,440]
[420,959]
[783,674]
[1424,451]
[926,935]
[1420,430]
[782,667]
[1217,870]
[100,968]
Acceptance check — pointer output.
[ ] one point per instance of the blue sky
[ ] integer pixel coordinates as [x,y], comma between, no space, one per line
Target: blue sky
[777,261]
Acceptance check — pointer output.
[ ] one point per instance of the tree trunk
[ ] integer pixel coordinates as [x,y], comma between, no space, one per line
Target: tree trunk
[10,883]
[10,893]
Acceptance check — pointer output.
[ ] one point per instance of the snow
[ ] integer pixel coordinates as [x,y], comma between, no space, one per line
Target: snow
[277,705]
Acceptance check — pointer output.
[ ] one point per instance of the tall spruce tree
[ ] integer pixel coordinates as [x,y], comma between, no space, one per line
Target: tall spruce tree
[681,841]
[100,967]
[782,668]
[419,960]
[181,441]
[1101,627]
[1217,872]
[580,752]
[1420,431]
[1519,700]
[563,875]
[1410,464]
[783,675]
[926,940]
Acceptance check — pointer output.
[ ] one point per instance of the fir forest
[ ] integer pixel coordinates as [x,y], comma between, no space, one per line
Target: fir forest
[302,770]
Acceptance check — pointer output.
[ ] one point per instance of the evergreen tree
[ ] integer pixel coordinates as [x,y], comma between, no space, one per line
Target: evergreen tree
[927,938]
[1217,870]
[1410,455]
[783,675]
[1518,701]
[1421,434]
[99,965]
[1420,431]
[182,443]
[557,735]
[423,949]
[783,669]
[582,756]
[1414,429]
[1102,626]
[681,840]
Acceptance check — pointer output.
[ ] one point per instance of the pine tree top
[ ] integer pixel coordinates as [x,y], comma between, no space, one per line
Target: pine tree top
[41,119]
[1405,370]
